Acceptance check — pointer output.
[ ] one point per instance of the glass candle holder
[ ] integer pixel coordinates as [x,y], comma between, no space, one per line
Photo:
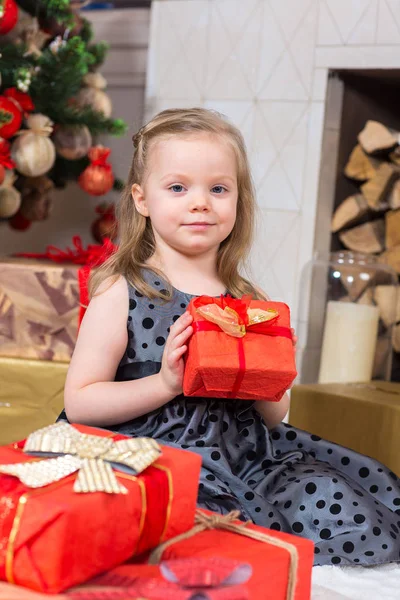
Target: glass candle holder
[348,306]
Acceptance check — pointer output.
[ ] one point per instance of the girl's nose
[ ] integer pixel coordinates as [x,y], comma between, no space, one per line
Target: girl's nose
[200,204]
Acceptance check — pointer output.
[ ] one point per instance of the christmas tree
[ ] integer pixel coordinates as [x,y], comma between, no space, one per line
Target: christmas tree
[52,108]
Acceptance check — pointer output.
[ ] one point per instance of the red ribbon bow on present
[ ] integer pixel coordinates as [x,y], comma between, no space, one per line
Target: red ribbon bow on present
[234,317]
[92,256]
[183,579]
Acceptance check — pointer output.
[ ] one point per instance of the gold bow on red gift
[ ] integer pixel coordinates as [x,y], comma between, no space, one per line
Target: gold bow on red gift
[232,315]
[92,456]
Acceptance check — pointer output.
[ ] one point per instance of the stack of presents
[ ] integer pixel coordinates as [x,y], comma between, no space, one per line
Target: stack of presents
[86,513]
[60,483]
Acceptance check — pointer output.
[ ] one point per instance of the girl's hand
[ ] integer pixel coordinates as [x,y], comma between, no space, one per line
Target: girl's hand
[172,365]
[294,337]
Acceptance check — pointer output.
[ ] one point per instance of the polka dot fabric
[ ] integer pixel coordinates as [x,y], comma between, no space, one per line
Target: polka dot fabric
[286,479]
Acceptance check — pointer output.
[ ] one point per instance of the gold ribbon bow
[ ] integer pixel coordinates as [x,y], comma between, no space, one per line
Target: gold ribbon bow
[228,319]
[92,456]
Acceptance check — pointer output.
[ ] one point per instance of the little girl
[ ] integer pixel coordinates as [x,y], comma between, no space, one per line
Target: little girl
[185,228]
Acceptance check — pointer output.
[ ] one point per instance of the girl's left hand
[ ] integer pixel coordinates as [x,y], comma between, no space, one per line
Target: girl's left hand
[294,337]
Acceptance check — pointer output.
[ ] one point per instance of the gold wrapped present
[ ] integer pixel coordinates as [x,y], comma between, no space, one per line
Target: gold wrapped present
[39,309]
[361,416]
[31,396]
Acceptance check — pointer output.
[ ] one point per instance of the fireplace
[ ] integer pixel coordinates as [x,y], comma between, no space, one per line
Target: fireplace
[354,98]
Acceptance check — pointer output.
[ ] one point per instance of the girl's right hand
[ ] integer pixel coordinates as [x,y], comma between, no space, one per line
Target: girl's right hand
[172,365]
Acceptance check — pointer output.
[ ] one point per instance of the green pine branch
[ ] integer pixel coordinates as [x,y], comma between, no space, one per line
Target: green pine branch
[12,60]
[60,75]
[98,52]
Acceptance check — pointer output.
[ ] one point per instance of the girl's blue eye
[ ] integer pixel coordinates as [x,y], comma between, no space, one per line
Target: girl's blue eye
[176,188]
[218,189]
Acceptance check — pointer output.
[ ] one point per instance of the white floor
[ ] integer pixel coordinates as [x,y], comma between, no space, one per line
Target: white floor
[356,583]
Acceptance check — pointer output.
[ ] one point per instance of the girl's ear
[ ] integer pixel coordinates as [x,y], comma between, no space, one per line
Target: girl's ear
[139,200]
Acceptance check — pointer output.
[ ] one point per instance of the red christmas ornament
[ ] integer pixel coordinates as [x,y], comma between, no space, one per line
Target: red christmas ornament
[19,222]
[106,225]
[8,16]
[97,179]
[23,100]
[5,160]
[10,117]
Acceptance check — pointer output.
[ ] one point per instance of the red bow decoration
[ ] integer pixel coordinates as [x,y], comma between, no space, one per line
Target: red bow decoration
[98,156]
[23,100]
[183,579]
[5,159]
[92,256]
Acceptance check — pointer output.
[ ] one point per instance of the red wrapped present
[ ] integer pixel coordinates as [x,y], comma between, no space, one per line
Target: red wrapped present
[281,563]
[240,348]
[103,499]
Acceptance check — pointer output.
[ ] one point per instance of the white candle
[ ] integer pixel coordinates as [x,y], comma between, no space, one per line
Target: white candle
[349,341]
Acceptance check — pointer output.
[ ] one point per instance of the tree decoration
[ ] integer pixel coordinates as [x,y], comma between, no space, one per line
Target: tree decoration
[5,159]
[10,198]
[72,141]
[97,179]
[93,95]
[8,16]
[36,202]
[105,226]
[10,117]
[33,151]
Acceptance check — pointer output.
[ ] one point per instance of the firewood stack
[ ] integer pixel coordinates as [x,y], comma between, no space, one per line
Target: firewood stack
[369,221]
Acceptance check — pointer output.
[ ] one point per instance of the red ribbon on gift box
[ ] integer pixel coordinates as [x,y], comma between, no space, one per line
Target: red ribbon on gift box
[239,306]
[92,256]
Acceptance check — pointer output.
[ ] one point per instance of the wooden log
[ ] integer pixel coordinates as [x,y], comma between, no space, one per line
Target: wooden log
[385,297]
[376,190]
[349,212]
[360,165]
[382,353]
[366,297]
[391,257]
[375,137]
[368,238]
[392,234]
[396,338]
[395,156]
[394,196]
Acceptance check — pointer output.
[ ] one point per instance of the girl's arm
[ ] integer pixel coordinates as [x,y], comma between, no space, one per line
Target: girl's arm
[273,413]
[91,396]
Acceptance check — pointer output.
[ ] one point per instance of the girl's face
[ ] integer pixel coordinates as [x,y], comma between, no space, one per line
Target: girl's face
[190,192]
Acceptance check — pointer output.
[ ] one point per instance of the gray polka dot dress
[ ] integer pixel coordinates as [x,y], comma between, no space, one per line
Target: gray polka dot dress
[284,479]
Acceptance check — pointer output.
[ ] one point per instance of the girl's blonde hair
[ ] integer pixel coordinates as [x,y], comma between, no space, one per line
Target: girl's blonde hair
[136,238]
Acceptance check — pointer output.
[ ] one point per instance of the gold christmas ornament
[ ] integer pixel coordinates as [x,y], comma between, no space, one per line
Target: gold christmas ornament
[93,95]
[10,198]
[72,141]
[92,456]
[33,151]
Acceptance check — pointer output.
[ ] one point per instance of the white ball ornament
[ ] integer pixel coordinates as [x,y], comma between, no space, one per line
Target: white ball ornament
[33,151]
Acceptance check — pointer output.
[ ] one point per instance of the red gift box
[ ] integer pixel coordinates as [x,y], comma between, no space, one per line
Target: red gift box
[243,359]
[52,538]
[281,563]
